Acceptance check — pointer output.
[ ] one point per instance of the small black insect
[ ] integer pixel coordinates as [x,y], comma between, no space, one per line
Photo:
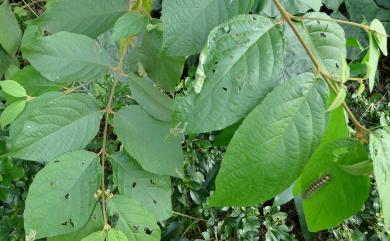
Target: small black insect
[316,185]
[323,35]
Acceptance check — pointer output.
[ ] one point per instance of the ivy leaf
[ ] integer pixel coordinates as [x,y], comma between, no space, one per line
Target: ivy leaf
[273,143]
[11,112]
[153,191]
[96,236]
[13,88]
[130,24]
[133,220]
[380,153]
[60,199]
[344,194]
[380,35]
[187,23]
[116,235]
[10,31]
[244,55]
[138,131]
[372,59]
[87,17]
[151,98]
[66,57]
[339,100]
[53,124]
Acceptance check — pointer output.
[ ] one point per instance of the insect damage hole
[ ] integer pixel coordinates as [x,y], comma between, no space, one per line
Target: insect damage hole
[134,184]
[316,185]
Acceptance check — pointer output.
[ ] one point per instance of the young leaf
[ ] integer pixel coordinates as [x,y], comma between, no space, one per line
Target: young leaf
[189,36]
[87,17]
[380,35]
[130,24]
[363,168]
[244,56]
[151,98]
[339,100]
[133,220]
[96,236]
[138,131]
[116,235]
[268,151]
[143,5]
[13,88]
[371,59]
[10,31]
[153,191]
[12,111]
[380,153]
[66,57]
[343,194]
[53,124]
[60,199]
[337,127]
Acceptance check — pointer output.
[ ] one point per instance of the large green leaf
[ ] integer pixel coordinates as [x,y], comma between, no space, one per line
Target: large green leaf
[380,153]
[5,61]
[116,235]
[344,194]
[96,236]
[139,132]
[60,199]
[64,57]
[87,17]
[244,56]
[53,124]
[271,146]
[134,220]
[187,23]
[293,6]
[129,24]
[153,191]
[151,98]
[10,31]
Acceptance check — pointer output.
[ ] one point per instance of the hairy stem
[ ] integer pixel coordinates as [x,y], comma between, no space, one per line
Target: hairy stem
[360,130]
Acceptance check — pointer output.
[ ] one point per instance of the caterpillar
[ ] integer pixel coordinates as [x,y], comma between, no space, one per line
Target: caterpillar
[316,185]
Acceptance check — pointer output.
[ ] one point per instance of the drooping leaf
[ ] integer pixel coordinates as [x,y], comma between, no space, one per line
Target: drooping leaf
[138,132]
[60,199]
[272,145]
[187,23]
[87,17]
[244,56]
[94,224]
[339,100]
[116,235]
[380,35]
[11,112]
[151,98]
[65,57]
[153,191]
[129,24]
[343,194]
[53,124]
[372,59]
[13,88]
[380,153]
[10,31]
[96,236]
[133,220]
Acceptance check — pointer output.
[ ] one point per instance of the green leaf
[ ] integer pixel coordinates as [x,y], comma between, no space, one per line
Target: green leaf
[380,153]
[151,98]
[145,5]
[13,88]
[12,111]
[294,7]
[332,4]
[116,235]
[363,168]
[96,236]
[344,194]
[244,56]
[10,31]
[138,132]
[5,61]
[272,145]
[65,57]
[34,83]
[380,35]
[87,17]
[165,70]
[187,23]
[130,24]
[133,220]
[337,127]
[153,191]
[53,124]
[372,59]
[224,137]
[94,224]
[339,100]
[60,199]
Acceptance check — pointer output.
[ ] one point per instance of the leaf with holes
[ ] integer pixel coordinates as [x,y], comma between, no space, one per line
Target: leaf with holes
[60,199]
[244,55]
[273,143]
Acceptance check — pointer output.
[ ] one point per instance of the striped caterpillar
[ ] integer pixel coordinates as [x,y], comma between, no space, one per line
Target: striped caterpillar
[316,185]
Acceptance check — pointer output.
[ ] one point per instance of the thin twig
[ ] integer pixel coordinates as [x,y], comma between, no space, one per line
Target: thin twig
[29,7]
[188,216]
